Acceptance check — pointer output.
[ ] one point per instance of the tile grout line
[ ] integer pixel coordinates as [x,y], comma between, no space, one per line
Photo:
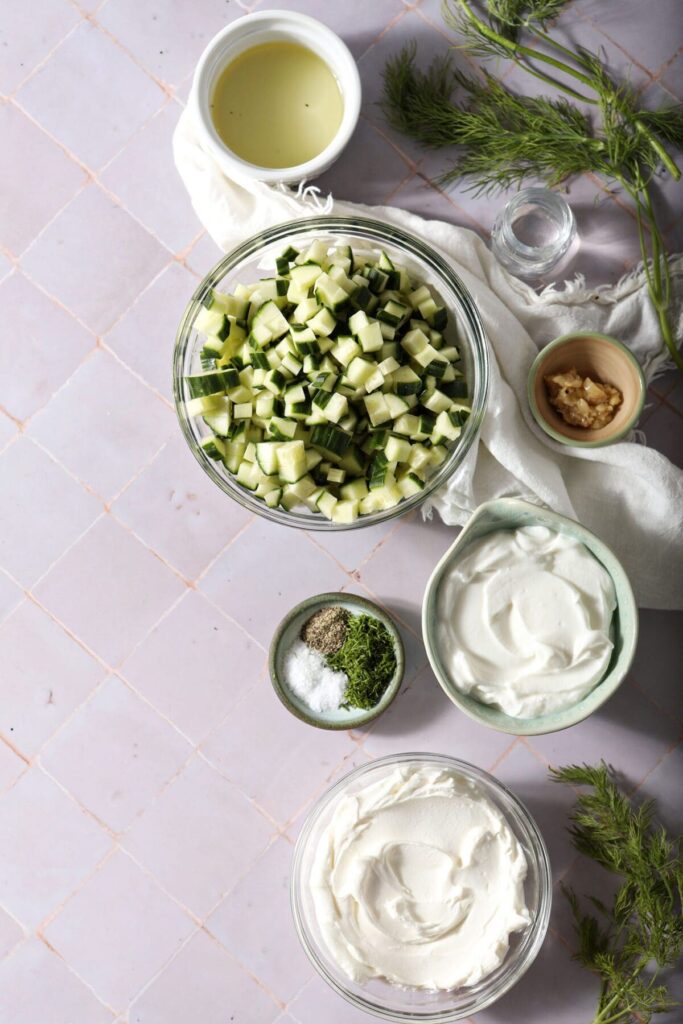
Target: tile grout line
[138,376]
[43,61]
[93,179]
[92,19]
[366,558]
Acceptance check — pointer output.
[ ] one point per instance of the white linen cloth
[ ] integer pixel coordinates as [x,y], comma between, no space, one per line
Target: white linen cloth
[629,495]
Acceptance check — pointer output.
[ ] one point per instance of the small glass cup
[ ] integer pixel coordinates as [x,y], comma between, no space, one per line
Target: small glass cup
[533,232]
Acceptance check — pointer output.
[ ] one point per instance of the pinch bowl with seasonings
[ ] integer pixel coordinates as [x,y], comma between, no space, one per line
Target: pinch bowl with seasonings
[586,390]
[315,631]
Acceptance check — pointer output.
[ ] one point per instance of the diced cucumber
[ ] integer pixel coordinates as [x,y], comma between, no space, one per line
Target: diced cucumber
[291,459]
[329,293]
[360,370]
[389,365]
[266,456]
[213,446]
[396,404]
[370,337]
[326,504]
[281,429]
[323,323]
[377,408]
[354,490]
[436,402]
[205,405]
[305,276]
[330,438]
[397,449]
[345,512]
[410,484]
[211,382]
[345,350]
[273,498]
[446,428]
[301,489]
[270,317]
[219,421]
[340,357]
[374,381]
[406,381]
[234,453]
[331,404]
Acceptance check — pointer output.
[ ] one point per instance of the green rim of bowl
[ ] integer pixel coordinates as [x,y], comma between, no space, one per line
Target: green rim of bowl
[556,434]
[509,514]
[311,605]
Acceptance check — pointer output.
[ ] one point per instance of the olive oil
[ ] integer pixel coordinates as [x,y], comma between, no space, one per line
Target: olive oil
[277,105]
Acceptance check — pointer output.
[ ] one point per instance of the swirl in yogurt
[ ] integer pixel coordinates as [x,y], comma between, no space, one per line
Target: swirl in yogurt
[524,621]
[419,879]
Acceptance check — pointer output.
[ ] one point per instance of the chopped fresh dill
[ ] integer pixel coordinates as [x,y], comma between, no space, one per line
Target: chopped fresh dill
[368,658]
[641,933]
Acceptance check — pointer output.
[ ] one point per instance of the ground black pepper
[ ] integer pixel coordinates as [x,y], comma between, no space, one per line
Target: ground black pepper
[326,629]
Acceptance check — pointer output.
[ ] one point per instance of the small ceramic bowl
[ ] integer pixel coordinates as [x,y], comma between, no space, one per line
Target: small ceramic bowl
[267,27]
[597,356]
[288,631]
[509,514]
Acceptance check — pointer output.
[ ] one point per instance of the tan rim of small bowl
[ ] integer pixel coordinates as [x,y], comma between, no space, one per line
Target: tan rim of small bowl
[603,359]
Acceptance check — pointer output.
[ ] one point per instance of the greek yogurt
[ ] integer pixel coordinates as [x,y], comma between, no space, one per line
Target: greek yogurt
[524,621]
[418,879]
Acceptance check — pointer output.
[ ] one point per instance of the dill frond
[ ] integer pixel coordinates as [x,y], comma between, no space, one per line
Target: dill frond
[500,138]
[641,933]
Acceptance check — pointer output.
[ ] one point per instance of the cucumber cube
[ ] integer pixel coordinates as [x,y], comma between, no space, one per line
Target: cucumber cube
[323,323]
[377,408]
[370,337]
[345,512]
[397,449]
[359,371]
[291,459]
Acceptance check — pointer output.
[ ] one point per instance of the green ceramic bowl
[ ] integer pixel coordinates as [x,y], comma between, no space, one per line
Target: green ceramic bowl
[287,632]
[508,514]
[603,359]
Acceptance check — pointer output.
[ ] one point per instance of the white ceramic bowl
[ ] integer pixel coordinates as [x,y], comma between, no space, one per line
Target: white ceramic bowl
[268,27]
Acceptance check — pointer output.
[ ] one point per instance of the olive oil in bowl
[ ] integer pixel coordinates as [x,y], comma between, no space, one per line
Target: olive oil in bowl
[277,105]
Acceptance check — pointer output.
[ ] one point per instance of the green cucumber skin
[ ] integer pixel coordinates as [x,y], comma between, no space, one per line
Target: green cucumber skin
[253,352]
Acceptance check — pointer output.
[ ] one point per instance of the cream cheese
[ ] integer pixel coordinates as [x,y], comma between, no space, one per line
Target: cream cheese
[523,621]
[418,879]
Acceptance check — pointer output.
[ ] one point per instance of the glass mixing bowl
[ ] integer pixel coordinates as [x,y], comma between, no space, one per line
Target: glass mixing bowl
[389,1001]
[256,258]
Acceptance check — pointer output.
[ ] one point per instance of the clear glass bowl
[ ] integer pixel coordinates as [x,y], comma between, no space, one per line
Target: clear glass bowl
[379,997]
[256,258]
[533,232]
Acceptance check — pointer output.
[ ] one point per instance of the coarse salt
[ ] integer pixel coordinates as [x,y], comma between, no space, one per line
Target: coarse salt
[308,675]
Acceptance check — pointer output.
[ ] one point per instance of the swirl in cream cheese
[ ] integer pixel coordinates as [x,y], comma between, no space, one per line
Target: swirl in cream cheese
[418,879]
[524,619]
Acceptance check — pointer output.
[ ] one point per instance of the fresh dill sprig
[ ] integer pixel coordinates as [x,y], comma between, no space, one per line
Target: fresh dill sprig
[641,932]
[502,138]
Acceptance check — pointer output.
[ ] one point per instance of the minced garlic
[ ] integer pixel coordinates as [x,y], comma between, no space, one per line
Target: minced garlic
[580,401]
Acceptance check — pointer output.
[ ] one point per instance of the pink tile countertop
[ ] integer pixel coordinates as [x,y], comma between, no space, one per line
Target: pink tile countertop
[151,785]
